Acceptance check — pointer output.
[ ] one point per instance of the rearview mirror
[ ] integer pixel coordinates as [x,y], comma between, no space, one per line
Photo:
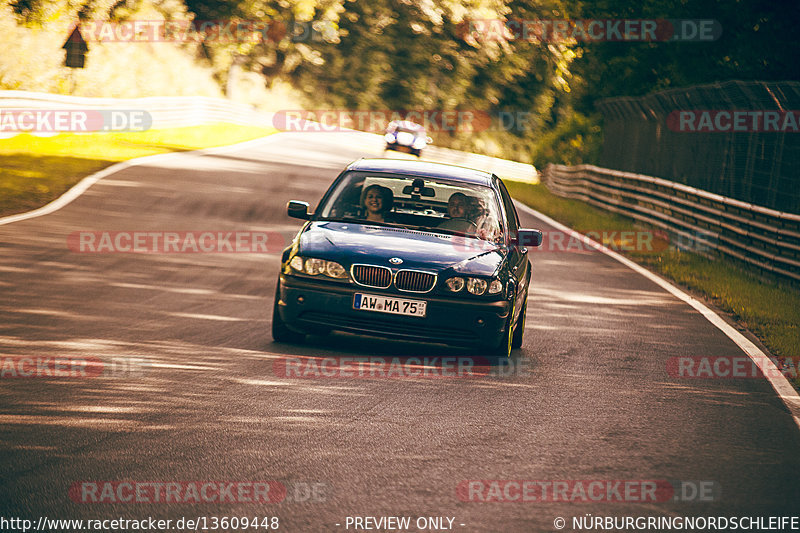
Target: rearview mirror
[529,237]
[297,209]
[418,188]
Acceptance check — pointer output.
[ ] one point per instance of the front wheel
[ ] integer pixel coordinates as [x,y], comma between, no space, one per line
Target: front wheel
[504,347]
[519,331]
[280,332]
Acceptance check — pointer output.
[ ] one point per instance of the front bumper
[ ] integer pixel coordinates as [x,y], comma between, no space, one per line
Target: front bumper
[310,306]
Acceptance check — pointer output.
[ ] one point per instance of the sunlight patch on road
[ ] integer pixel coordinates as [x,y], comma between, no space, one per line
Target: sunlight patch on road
[181,367]
[61,421]
[209,317]
[637,298]
[101,409]
[178,290]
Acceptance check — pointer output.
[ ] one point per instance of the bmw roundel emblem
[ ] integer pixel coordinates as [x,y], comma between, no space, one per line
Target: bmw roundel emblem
[395,260]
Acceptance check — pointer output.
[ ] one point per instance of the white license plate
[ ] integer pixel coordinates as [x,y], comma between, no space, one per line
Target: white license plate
[387,304]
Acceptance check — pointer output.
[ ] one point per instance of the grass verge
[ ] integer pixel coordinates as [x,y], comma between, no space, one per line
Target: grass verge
[36,170]
[770,309]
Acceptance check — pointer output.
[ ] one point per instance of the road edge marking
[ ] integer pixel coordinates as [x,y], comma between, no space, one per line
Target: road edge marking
[83,185]
[786,392]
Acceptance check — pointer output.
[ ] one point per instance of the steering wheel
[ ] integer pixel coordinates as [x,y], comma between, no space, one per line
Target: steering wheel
[472,227]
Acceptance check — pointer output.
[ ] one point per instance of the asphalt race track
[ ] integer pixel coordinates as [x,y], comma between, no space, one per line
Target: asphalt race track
[194,395]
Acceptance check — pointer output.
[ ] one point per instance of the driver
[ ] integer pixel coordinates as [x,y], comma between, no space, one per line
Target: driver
[458,207]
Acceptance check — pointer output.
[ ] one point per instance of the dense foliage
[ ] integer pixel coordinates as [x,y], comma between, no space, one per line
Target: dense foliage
[425,55]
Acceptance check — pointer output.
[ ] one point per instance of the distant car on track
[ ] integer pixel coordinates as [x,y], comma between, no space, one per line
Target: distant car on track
[409,250]
[406,136]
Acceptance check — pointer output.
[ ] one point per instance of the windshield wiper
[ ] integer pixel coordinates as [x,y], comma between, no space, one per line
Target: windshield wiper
[365,222]
[343,219]
[422,229]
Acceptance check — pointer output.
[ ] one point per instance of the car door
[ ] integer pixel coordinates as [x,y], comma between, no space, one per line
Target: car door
[518,264]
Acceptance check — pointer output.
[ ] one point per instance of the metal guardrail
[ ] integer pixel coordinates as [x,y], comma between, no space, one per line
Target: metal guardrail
[644,134]
[762,237]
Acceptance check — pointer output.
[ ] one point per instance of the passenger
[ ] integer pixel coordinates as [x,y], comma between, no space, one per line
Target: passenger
[486,226]
[377,201]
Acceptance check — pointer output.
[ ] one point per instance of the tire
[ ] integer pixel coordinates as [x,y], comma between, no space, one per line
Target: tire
[280,332]
[519,331]
[503,348]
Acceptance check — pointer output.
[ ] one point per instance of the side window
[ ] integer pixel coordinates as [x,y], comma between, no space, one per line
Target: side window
[511,212]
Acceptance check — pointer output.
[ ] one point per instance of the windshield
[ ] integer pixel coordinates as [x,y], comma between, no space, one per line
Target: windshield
[416,203]
[409,127]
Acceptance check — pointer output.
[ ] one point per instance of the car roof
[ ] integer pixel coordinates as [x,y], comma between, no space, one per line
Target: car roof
[423,169]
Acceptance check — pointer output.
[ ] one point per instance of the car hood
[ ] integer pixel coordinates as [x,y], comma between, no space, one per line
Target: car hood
[349,243]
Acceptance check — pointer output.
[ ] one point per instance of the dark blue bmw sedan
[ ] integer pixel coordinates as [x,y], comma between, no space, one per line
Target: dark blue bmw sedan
[409,250]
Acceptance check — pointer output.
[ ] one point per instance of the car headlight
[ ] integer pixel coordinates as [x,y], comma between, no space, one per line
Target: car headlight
[495,286]
[315,267]
[455,284]
[389,138]
[296,263]
[335,270]
[476,286]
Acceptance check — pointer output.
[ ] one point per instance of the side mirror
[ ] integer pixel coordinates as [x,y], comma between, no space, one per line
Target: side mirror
[529,237]
[428,139]
[297,209]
